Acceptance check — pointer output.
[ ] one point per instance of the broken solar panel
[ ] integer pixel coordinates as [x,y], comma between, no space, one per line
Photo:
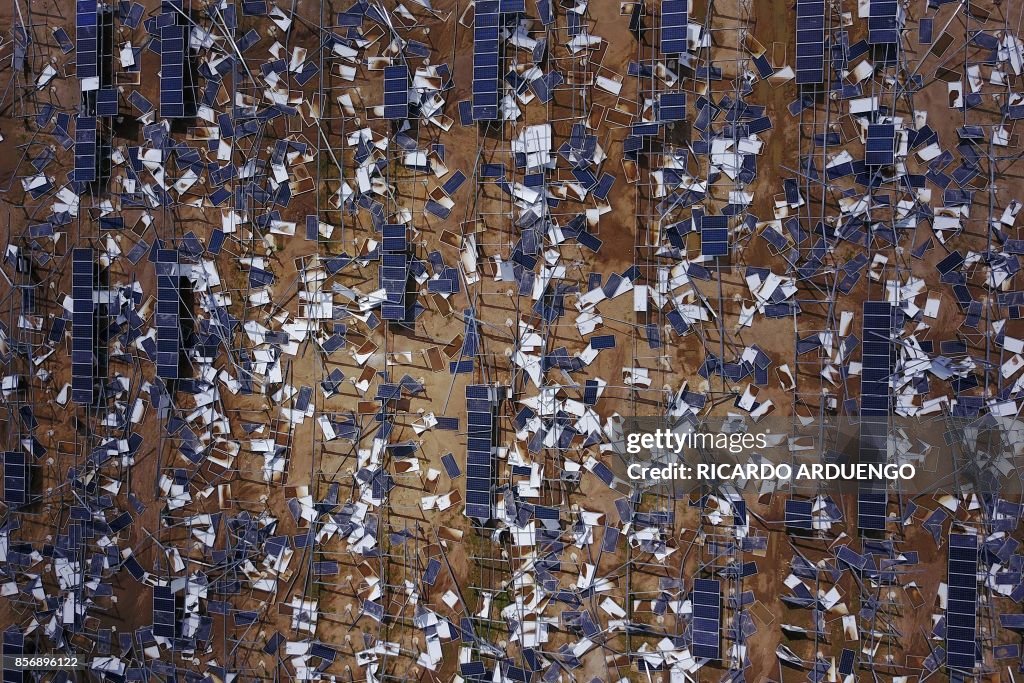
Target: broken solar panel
[172,71]
[810,41]
[82,326]
[962,602]
[673,26]
[880,147]
[396,92]
[486,57]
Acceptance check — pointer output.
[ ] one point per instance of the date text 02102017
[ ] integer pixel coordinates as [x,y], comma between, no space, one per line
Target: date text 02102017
[48,662]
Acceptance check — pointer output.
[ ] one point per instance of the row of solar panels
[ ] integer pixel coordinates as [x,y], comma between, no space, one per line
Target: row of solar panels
[707,619]
[16,477]
[82,326]
[394,272]
[714,236]
[876,363]
[486,60]
[673,26]
[87,36]
[163,612]
[168,314]
[962,602]
[396,92]
[480,408]
[810,41]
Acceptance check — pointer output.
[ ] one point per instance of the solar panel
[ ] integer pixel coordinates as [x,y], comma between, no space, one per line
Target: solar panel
[106,102]
[707,622]
[798,514]
[486,60]
[85,149]
[172,71]
[87,33]
[885,19]
[810,41]
[15,478]
[714,236]
[673,26]
[962,602]
[163,612]
[880,147]
[396,92]
[846,662]
[168,319]
[673,106]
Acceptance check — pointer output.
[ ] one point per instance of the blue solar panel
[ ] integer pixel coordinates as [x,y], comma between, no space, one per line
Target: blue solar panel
[396,92]
[798,514]
[810,41]
[673,106]
[673,26]
[172,71]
